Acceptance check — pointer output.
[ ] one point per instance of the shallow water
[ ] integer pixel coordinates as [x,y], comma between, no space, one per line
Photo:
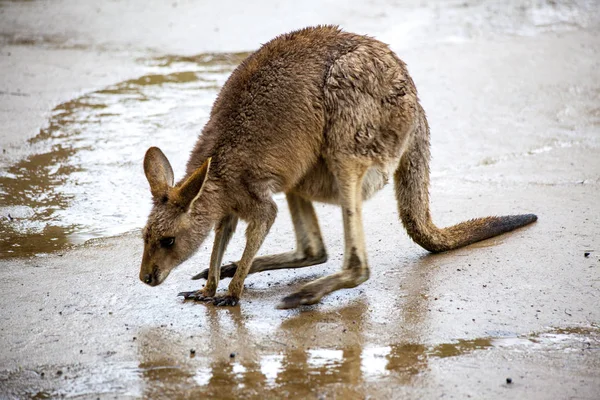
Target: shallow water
[301,372]
[306,372]
[85,178]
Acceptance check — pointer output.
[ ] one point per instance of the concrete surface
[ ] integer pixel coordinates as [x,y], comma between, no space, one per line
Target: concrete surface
[512,92]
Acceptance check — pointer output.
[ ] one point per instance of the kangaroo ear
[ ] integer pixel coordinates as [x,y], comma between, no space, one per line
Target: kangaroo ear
[191,189]
[158,172]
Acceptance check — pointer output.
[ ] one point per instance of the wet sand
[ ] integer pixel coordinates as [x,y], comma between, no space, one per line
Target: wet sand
[511,94]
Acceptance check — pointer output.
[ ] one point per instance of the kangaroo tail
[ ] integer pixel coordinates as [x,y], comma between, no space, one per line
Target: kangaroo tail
[412,192]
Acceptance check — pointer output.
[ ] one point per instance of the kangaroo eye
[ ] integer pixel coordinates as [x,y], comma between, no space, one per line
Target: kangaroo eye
[167,242]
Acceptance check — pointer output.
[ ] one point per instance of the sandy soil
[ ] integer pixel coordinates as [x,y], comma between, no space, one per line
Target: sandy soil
[512,93]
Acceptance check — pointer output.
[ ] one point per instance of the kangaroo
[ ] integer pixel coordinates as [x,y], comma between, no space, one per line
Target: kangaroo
[321,115]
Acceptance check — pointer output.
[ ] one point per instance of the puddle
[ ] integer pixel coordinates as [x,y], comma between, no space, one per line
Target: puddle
[296,372]
[290,372]
[312,372]
[85,178]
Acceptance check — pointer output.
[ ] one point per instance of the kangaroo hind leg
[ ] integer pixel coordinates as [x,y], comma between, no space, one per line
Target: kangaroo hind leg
[355,270]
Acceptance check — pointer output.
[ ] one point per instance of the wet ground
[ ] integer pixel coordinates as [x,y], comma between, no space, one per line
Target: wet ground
[512,92]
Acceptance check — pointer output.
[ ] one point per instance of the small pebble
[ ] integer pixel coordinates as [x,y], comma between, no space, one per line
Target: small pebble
[586,254]
[232,355]
[192,352]
[509,380]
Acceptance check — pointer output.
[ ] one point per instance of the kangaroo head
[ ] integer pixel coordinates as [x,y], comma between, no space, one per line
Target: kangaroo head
[178,222]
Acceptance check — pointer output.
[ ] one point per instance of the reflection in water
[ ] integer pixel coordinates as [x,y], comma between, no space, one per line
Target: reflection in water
[298,369]
[294,372]
[315,353]
[84,178]
[315,373]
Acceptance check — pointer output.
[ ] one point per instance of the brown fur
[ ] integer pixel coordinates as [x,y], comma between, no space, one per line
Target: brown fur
[322,115]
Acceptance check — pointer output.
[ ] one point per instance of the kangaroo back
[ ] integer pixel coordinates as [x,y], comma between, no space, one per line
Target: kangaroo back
[412,192]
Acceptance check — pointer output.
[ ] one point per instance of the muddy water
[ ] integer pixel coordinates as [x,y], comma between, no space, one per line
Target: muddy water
[297,372]
[351,369]
[85,178]
[354,369]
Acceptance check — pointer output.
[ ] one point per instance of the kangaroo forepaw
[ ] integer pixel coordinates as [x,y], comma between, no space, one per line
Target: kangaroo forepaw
[227,271]
[302,297]
[187,295]
[197,295]
[226,301]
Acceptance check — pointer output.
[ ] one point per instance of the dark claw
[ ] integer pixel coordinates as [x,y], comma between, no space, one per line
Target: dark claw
[188,295]
[225,301]
[197,296]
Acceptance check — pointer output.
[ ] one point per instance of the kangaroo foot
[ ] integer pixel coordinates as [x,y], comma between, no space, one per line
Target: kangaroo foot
[301,297]
[226,301]
[198,295]
[313,292]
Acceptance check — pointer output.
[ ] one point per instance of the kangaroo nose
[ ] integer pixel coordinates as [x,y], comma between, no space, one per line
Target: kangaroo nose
[148,279]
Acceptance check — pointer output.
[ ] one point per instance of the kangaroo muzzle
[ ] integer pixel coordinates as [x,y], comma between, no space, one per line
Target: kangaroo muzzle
[152,277]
